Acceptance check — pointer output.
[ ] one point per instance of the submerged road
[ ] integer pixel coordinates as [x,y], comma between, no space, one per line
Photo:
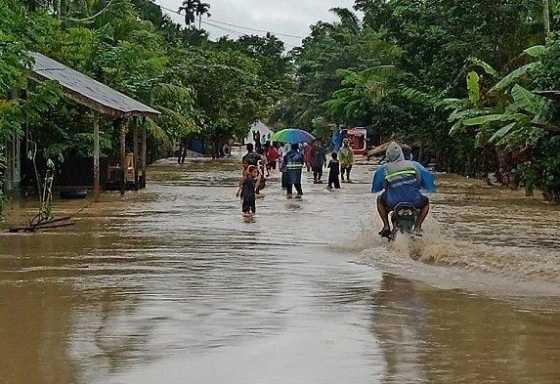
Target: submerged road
[171,285]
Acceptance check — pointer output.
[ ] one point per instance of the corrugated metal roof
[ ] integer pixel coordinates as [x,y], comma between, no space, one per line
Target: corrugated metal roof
[87,91]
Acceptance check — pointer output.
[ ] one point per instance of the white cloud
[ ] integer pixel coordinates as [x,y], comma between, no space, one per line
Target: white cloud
[285,16]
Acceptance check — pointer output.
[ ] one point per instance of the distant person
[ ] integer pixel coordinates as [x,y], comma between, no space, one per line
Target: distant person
[247,191]
[251,158]
[272,156]
[337,139]
[226,150]
[307,149]
[264,159]
[293,165]
[284,171]
[318,160]
[257,140]
[261,176]
[183,148]
[334,172]
[346,156]
[401,182]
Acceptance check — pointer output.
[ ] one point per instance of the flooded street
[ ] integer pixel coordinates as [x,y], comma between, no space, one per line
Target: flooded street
[170,285]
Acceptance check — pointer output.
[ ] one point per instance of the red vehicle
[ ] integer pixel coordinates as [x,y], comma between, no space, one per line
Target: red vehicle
[358,140]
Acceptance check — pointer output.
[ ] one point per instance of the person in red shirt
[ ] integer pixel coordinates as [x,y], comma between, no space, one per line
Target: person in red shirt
[272,156]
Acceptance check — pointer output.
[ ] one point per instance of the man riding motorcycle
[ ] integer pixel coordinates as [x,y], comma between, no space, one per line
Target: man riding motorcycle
[401,181]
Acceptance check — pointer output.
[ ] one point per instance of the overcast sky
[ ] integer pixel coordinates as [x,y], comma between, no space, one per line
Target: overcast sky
[287,16]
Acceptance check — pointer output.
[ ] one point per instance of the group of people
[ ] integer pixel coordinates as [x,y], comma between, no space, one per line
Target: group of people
[398,180]
[291,160]
[340,164]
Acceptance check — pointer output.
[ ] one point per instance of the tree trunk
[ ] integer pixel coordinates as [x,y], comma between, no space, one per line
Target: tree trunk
[59,9]
[546,17]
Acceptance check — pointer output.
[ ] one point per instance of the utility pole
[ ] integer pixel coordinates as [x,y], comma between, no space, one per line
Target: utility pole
[546,17]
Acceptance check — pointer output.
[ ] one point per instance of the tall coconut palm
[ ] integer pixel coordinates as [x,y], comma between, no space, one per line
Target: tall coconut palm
[189,7]
[201,10]
[348,19]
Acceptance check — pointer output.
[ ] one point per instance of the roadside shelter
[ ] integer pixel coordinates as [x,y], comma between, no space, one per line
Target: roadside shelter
[102,101]
[265,133]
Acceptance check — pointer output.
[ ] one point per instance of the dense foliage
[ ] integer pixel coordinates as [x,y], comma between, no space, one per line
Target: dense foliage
[212,90]
[459,80]
[456,79]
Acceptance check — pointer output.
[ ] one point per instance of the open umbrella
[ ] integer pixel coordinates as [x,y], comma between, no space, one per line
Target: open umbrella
[292,136]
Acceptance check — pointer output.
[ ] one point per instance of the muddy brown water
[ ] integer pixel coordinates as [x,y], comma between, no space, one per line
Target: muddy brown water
[170,285]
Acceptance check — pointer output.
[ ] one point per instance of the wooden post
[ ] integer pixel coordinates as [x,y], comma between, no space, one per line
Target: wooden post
[144,154]
[124,124]
[136,153]
[10,145]
[96,150]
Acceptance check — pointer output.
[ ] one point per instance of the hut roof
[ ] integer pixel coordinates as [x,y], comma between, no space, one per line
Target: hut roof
[87,91]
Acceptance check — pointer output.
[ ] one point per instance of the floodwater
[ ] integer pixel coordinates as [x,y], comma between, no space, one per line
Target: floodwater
[171,285]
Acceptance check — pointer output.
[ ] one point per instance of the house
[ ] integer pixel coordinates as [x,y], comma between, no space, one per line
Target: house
[103,102]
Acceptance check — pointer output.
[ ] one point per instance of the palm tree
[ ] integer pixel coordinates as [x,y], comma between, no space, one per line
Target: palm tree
[348,19]
[194,9]
[202,9]
[189,7]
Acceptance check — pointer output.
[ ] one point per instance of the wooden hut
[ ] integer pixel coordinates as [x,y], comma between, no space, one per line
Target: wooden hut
[104,102]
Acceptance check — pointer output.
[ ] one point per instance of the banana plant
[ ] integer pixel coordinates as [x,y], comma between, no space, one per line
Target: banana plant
[508,114]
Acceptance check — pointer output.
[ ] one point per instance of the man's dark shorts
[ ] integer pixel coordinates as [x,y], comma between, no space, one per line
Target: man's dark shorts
[422,202]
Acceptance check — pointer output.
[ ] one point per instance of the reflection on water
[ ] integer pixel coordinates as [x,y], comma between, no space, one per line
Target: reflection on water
[434,337]
[172,283]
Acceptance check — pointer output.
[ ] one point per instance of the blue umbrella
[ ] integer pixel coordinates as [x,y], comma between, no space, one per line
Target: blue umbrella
[293,136]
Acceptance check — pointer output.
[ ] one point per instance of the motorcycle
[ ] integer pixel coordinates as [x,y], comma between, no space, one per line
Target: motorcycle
[403,218]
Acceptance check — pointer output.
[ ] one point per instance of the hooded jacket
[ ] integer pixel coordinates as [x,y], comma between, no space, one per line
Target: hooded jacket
[401,179]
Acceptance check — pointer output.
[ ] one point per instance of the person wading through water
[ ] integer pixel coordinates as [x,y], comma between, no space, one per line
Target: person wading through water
[307,149]
[346,157]
[334,171]
[253,158]
[293,165]
[401,181]
[247,191]
[318,160]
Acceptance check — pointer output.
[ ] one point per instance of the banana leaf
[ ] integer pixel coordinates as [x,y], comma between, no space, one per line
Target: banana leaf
[514,76]
[502,132]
